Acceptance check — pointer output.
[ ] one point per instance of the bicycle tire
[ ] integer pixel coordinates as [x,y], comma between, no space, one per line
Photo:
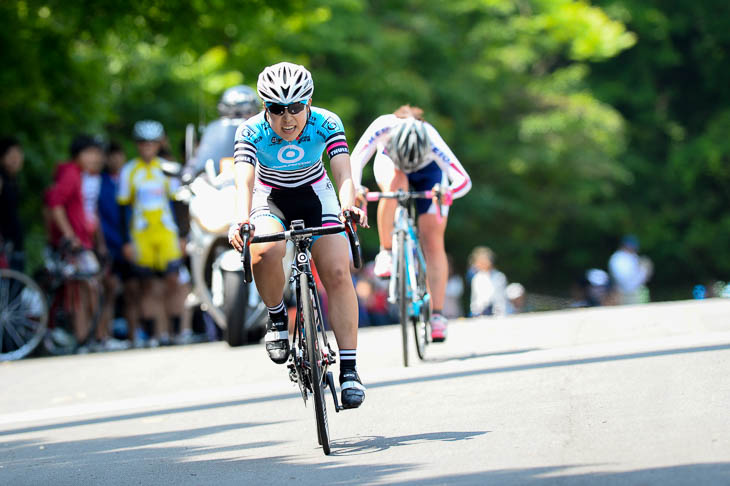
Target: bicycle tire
[67,342]
[401,285]
[420,322]
[23,315]
[314,354]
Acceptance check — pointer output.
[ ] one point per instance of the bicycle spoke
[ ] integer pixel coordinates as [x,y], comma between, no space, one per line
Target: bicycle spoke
[15,336]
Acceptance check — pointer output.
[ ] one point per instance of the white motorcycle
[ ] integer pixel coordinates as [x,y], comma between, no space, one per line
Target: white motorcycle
[215,267]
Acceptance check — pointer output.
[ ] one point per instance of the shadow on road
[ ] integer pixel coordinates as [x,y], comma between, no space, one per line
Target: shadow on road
[701,473]
[352,446]
[478,355]
[553,364]
[375,385]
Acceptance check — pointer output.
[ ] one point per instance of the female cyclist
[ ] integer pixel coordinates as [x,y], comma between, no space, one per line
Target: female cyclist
[280,177]
[410,152]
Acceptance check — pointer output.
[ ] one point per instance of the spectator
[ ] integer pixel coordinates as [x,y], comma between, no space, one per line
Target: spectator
[487,285]
[630,272]
[70,224]
[11,229]
[516,301]
[151,235]
[121,277]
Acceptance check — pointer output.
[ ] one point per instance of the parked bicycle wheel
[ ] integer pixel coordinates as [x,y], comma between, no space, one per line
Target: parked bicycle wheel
[62,338]
[314,352]
[23,315]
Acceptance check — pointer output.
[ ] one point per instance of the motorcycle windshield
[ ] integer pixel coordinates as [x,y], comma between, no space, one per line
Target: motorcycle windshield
[216,144]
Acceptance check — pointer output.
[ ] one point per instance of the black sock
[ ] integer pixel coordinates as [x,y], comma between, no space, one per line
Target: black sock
[278,312]
[348,360]
[436,312]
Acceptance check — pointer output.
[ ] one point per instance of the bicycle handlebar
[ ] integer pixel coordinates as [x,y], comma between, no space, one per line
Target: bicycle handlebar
[296,234]
[404,196]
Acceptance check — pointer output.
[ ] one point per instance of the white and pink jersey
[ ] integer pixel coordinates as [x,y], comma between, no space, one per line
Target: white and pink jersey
[373,141]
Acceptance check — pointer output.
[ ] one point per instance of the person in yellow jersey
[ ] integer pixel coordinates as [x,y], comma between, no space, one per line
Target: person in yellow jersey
[150,231]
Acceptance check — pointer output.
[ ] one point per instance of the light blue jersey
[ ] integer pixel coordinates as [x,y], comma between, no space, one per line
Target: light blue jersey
[286,165]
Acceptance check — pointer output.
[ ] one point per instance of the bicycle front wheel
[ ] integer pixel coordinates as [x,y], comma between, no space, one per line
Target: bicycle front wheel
[23,315]
[401,286]
[314,354]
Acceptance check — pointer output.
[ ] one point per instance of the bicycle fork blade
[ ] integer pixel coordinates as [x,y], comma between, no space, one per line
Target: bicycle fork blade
[331,385]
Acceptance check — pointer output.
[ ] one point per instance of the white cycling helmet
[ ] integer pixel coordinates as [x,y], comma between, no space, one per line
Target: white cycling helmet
[408,144]
[285,83]
[239,102]
[148,131]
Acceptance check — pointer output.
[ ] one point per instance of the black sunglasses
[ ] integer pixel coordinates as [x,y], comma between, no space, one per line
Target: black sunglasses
[278,110]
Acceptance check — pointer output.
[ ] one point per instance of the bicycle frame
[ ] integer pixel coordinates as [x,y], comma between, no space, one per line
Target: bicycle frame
[404,223]
[310,355]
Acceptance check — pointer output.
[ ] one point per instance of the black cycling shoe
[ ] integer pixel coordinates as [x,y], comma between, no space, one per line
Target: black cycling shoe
[277,341]
[353,391]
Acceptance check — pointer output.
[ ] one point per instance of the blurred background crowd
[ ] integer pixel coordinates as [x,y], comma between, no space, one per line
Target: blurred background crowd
[594,132]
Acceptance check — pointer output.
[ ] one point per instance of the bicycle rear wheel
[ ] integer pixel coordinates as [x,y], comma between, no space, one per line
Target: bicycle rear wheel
[314,354]
[23,315]
[401,285]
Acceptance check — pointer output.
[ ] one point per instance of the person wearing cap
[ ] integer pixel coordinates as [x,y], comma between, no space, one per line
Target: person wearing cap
[150,234]
[630,272]
[73,221]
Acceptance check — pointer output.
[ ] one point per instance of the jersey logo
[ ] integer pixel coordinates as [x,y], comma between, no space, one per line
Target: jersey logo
[246,132]
[290,154]
[330,124]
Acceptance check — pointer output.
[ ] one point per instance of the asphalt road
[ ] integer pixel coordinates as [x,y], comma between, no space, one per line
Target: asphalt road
[631,395]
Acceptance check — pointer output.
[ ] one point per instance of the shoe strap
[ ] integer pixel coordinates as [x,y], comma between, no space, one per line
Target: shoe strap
[352,384]
[276,336]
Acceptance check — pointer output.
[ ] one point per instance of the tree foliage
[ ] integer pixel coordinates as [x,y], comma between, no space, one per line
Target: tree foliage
[532,96]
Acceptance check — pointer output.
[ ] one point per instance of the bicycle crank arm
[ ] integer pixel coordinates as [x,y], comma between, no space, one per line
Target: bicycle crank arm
[331,385]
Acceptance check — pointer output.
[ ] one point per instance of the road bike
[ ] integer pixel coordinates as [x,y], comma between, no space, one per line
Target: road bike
[408,286]
[310,355]
[41,309]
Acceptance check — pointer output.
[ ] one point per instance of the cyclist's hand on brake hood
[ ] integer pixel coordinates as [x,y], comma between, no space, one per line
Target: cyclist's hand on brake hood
[234,235]
[359,217]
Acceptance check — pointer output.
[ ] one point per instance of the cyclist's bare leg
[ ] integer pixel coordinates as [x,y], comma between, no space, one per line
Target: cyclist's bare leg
[152,302]
[431,233]
[266,264]
[111,285]
[332,256]
[79,301]
[131,306]
[390,181]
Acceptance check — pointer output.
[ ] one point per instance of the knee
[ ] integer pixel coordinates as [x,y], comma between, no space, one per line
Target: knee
[267,255]
[336,276]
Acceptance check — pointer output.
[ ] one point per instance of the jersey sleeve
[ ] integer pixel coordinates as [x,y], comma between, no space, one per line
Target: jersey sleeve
[244,147]
[460,183]
[376,133]
[63,188]
[334,134]
[124,191]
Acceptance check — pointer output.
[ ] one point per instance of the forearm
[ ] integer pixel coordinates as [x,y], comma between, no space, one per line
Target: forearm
[343,180]
[59,218]
[244,179]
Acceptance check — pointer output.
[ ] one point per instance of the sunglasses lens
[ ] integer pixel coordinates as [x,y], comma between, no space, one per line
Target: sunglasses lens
[296,108]
[276,109]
